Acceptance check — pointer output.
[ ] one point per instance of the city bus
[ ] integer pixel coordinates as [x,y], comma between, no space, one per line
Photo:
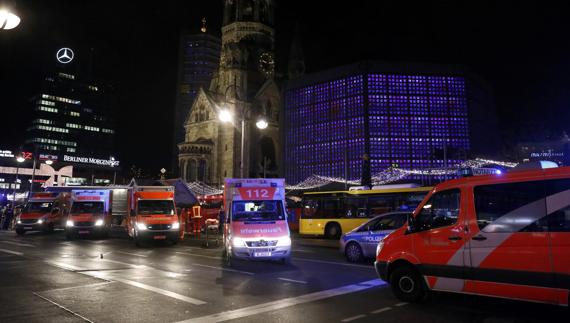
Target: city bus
[333,213]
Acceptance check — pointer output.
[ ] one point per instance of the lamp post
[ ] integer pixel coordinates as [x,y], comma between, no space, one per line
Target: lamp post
[20,159]
[226,116]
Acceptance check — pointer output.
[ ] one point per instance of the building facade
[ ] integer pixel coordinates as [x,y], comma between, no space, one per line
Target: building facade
[243,84]
[555,150]
[361,119]
[198,58]
[72,122]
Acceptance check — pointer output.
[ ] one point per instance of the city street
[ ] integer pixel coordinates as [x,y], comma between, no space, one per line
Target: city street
[45,278]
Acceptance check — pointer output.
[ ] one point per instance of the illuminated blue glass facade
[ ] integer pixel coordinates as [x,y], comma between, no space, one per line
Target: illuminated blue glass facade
[402,119]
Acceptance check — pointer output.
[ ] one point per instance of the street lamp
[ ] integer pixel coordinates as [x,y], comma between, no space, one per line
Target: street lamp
[49,162]
[20,159]
[225,116]
[8,20]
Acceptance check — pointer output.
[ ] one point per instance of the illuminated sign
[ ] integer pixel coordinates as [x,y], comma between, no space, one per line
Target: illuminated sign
[547,154]
[47,157]
[6,153]
[90,160]
[64,55]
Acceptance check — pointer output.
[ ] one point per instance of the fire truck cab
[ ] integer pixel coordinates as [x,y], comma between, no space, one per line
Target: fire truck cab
[505,235]
[43,212]
[89,213]
[256,220]
[153,215]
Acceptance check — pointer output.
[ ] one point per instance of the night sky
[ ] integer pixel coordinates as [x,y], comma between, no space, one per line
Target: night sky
[520,49]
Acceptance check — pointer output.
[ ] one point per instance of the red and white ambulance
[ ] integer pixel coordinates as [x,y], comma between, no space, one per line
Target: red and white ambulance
[256,220]
[89,213]
[504,236]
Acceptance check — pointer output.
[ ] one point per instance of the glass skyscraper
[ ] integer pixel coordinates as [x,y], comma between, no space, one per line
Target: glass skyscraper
[411,117]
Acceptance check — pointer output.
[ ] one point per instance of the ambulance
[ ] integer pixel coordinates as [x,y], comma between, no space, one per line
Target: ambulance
[255,220]
[89,213]
[153,215]
[43,212]
[504,235]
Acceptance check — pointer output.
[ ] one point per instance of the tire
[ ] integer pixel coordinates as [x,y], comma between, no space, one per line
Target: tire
[286,261]
[353,252]
[20,232]
[69,236]
[333,231]
[407,284]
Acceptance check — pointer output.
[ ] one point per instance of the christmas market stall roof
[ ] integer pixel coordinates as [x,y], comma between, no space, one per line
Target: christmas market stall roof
[183,196]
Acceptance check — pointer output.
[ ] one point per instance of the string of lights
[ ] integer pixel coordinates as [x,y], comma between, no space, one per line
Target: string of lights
[394,174]
[199,188]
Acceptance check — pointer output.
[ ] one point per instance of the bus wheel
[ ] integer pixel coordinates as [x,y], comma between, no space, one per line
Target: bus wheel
[332,231]
[353,252]
[20,232]
[407,284]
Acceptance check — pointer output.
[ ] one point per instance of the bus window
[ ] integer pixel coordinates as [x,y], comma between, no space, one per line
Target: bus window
[355,207]
[310,208]
[410,201]
[381,204]
[330,209]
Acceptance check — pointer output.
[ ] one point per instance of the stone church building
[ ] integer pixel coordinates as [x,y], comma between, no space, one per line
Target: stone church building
[244,84]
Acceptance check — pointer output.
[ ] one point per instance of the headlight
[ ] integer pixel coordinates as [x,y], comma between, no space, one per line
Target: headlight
[99,223]
[175,226]
[141,226]
[69,223]
[19,221]
[284,241]
[40,221]
[238,242]
[379,247]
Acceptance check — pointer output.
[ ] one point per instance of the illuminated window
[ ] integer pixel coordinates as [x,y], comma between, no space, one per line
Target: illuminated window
[96,129]
[67,76]
[74,114]
[108,130]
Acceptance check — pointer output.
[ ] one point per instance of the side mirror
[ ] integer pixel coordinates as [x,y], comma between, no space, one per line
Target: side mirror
[411,224]
[133,213]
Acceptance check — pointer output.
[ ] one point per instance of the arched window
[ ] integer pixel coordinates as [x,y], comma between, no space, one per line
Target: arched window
[191,171]
[202,171]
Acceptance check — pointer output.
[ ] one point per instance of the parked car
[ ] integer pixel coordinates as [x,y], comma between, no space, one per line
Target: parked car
[361,242]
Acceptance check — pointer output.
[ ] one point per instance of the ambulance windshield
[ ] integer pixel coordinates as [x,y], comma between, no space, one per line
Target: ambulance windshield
[38,207]
[87,207]
[256,211]
[165,207]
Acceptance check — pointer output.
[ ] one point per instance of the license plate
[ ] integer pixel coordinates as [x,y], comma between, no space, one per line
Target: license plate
[28,228]
[262,254]
[159,237]
[83,232]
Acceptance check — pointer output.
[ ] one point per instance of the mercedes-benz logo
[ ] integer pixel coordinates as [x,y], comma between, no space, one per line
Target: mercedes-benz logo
[64,55]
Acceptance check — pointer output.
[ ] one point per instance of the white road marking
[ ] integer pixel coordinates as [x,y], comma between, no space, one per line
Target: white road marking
[292,280]
[123,263]
[63,308]
[74,287]
[384,309]
[225,269]
[353,318]
[103,275]
[161,291]
[132,254]
[286,302]
[303,250]
[401,304]
[196,255]
[332,263]
[18,244]
[12,252]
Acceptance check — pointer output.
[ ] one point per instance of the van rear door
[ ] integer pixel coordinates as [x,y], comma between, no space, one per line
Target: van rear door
[510,253]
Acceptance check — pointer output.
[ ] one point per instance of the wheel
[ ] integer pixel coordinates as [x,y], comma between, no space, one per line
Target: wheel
[20,232]
[333,231]
[286,261]
[353,252]
[407,284]
[69,236]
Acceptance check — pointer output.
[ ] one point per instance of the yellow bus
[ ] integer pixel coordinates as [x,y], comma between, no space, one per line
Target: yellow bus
[333,213]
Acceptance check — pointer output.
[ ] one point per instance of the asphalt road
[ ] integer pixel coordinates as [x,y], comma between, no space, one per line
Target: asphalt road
[44,278]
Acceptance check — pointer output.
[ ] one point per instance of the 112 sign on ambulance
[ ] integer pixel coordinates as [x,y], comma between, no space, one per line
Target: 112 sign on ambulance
[256,221]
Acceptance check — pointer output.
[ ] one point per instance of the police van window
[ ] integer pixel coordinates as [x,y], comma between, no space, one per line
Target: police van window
[369,226]
[389,222]
[441,210]
[514,202]
[558,192]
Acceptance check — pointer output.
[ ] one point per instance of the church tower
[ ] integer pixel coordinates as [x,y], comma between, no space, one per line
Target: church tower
[244,85]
